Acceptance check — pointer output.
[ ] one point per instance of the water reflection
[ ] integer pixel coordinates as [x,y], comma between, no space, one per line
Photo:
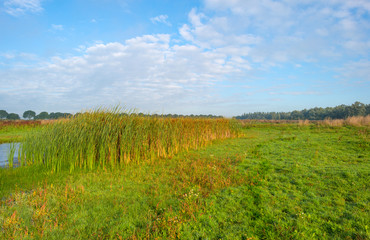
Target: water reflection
[4,151]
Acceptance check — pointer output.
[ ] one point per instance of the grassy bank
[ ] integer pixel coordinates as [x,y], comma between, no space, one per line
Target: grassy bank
[275,182]
[16,130]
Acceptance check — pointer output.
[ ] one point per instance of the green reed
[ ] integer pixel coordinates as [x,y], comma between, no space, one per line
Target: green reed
[11,152]
[105,138]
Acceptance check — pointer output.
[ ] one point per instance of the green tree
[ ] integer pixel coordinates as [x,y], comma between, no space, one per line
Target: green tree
[358,109]
[42,115]
[57,115]
[13,116]
[29,114]
[367,107]
[296,115]
[3,114]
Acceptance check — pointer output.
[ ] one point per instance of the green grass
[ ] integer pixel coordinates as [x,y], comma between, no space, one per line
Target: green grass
[276,182]
[13,133]
[307,184]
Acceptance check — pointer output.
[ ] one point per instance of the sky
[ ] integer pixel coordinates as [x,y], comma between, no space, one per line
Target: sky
[183,56]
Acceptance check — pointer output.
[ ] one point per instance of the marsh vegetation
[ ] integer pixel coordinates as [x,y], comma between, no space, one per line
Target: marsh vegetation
[110,139]
[132,177]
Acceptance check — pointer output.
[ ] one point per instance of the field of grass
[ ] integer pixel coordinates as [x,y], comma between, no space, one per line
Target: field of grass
[15,131]
[277,181]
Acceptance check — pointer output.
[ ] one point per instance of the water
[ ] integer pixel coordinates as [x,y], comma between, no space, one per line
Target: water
[4,150]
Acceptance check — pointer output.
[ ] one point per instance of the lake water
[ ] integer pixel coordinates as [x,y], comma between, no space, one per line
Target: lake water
[4,150]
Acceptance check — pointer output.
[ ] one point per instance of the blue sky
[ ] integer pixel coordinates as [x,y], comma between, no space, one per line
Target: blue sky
[185,57]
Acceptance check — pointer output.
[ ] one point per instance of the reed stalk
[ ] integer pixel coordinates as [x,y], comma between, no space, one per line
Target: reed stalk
[11,152]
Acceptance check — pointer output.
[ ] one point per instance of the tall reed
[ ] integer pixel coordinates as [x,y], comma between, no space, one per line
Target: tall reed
[11,152]
[350,121]
[109,138]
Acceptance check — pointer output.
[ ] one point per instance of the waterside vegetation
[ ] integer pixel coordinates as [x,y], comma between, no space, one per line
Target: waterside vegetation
[274,181]
[16,130]
[107,138]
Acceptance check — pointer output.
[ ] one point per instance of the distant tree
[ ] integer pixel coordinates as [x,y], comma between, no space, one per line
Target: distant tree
[317,113]
[358,109]
[367,108]
[296,115]
[29,114]
[3,114]
[42,115]
[78,113]
[52,115]
[13,116]
[67,115]
[57,115]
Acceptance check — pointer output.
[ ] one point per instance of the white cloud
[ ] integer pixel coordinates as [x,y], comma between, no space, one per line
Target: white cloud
[299,93]
[8,55]
[20,7]
[57,27]
[356,71]
[287,30]
[146,72]
[217,32]
[161,19]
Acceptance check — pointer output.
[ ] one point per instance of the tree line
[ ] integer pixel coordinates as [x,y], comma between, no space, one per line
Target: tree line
[317,113]
[31,115]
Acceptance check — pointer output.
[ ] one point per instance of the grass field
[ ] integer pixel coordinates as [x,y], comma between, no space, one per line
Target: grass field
[277,181]
[15,131]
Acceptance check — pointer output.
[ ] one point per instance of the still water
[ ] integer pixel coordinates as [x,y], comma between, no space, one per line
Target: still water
[4,150]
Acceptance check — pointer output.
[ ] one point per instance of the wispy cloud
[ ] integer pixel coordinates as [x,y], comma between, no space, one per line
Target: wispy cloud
[293,31]
[356,70]
[161,19]
[20,7]
[57,27]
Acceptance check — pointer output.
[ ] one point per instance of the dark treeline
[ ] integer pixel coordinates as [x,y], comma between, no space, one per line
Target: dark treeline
[31,115]
[317,113]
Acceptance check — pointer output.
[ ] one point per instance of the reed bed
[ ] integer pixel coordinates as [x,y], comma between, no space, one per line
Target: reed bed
[350,121]
[106,138]
[357,121]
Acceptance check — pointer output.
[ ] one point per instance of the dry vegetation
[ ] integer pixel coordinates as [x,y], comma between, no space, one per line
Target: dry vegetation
[18,123]
[357,121]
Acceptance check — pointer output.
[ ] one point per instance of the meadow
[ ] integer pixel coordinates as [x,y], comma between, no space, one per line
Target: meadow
[188,179]
[15,131]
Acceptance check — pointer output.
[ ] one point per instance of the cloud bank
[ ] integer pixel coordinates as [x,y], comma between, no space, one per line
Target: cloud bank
[205,67]
[144,72]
